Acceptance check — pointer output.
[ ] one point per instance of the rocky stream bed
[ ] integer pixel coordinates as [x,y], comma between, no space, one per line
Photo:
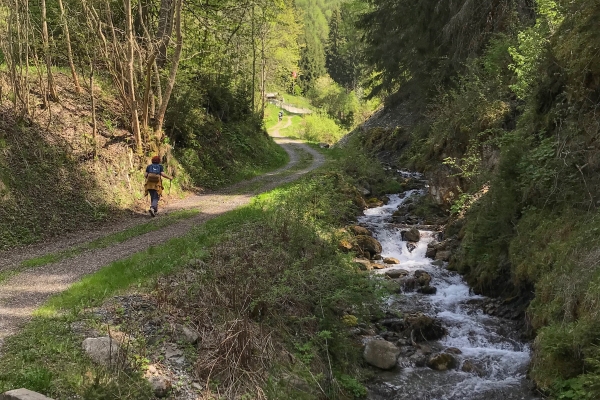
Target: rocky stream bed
[438,341]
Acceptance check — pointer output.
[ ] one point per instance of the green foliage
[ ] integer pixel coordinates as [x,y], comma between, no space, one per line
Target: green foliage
[343,50]
[573,389]
[352,386]
[428,42]
[533,42]
[218,139]
[317,128]
[344,106]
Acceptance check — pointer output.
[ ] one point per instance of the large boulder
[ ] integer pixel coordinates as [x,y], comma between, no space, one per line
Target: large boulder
[369,245]
[442,362]
[102,350]
[412,235]
[381,354]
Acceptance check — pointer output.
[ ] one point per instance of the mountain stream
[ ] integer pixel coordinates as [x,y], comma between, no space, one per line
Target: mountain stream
[497,359]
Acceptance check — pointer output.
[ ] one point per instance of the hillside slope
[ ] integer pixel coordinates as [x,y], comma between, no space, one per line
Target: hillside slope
[51,183]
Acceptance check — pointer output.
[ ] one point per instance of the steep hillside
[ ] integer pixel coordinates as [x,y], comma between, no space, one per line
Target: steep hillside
[509,139]
[51,183]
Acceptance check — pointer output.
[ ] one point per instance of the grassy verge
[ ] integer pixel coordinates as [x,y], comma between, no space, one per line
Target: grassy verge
[103,242]
[278,255]
[305,160]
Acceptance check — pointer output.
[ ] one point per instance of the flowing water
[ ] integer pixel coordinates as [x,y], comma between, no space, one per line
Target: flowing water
[485,341]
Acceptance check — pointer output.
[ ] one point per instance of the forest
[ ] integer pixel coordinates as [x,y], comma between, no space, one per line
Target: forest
[495,101]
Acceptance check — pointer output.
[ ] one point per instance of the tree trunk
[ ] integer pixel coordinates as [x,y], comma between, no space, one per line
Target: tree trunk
[135,122]
[165,29]
[253,64]
[69,50]
[94,122]
[160,116]
[263,65]
[147,91]
[51,88]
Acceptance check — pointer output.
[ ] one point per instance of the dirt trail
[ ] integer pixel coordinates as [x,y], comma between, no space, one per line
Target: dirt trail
[25,292]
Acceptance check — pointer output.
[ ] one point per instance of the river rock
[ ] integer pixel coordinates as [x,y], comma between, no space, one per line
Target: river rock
[430,253]
[442,362]
[365,189]
[23,394]
[359,230]
[419,359]
[363,265]
[470,367]
[443,255]
[374,202]
[453,350]
[160,385]
[412,235]
[186,334]
[102,350]
[390,260]
[345,246]
[393,324]
[422,277]
[368,245]
[431,249]
[174,354]
[410,246]
[409,284]
[381,354]
[423,328]
[396,273]
[389,336]
[427,290]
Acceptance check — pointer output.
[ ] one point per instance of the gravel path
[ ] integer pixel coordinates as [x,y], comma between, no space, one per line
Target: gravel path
[22,294]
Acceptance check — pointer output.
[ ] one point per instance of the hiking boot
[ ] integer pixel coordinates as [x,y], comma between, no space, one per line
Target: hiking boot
[152,213]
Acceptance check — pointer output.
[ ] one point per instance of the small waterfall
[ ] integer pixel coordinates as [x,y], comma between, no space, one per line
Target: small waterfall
[489,343]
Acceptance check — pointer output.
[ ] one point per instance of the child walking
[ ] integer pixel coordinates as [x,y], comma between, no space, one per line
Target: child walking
[153,186]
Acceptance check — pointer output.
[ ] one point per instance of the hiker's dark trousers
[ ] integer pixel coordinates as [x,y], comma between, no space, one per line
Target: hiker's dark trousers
[154,199]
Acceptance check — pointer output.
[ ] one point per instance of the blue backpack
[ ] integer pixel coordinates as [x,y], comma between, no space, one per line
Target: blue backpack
[153,173]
